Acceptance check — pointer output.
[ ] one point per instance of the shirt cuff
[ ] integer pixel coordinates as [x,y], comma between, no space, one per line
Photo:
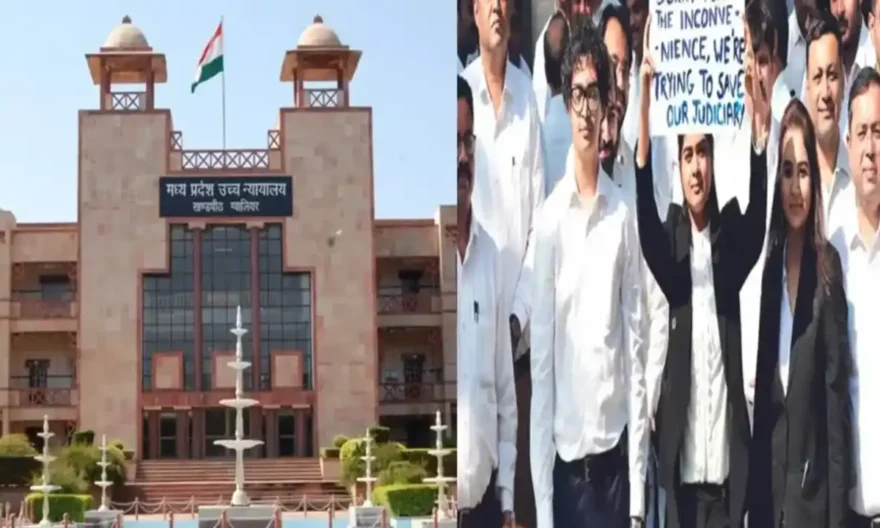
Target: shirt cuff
[636,496]
[506,500]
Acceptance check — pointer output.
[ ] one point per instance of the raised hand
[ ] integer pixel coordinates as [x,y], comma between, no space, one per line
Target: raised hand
[646,68]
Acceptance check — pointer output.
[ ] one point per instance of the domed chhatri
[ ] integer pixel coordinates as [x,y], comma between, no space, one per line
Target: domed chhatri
[319,35]
[126,37]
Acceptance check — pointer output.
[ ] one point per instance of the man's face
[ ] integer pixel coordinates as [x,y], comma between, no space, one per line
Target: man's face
[766,70]
[585,107]
[609,138]
[863,143]
[696,171]
[619,54]
[824,86]
[493,23]
[874,27]
[638,14]
[465,136]
[583,7]
[847,13]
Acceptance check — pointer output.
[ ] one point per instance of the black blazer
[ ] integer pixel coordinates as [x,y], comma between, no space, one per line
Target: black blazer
[737,239]
[801,457]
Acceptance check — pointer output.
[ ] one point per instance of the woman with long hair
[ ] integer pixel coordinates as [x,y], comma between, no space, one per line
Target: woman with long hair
[800,454]
[700,257]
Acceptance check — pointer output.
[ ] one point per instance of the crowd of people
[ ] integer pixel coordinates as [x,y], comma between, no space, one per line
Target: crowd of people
[667,330]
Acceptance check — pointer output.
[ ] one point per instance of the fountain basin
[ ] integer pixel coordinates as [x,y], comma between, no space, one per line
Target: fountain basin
[240,403]
[238,445]
[239,365]
[45,459]
[237,516]
[48,488]
[100,518]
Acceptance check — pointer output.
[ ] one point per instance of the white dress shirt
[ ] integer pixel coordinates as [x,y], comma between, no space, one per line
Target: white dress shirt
[786,322]
[837,197]
[705,447]
[750,293]
[587,360]
[509,179]
[795,72]
[861,271]
[557,141]
[487,419]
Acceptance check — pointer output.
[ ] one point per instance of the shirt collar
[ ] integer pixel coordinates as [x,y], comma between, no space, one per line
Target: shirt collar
[853,235]
[841,168]
[604,183]
[483,87]
[794,30]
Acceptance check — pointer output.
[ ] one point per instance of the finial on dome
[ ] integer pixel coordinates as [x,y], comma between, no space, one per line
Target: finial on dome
[126,19]
[318,19]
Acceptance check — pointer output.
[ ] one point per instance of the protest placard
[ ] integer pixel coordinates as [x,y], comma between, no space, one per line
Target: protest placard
[698,48]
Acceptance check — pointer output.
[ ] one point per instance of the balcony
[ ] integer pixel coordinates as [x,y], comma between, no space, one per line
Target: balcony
[399,308]
[57,398]
[36,311]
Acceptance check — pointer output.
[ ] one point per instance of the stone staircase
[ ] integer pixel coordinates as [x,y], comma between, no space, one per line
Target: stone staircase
[207,481]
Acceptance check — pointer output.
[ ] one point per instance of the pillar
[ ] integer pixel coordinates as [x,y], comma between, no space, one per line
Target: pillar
[4,422]
[198,433]
[271,418]
[153,431]
[301,432]
[256,419]
[183,451]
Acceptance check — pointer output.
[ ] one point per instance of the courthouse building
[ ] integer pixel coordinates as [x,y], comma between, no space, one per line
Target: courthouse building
[120,322]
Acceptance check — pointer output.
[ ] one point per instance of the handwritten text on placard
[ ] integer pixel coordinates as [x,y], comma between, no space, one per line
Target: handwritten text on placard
[698,49]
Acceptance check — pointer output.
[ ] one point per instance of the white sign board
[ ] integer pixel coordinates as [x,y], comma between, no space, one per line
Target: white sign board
[698,48]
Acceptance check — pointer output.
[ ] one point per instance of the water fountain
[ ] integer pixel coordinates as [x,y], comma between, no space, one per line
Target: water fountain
[103,517]
[44,486]
[445,517]
[366,515]
[240,508]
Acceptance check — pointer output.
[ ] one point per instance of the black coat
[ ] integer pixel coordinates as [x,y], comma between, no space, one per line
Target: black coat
[737,239]
[801,446]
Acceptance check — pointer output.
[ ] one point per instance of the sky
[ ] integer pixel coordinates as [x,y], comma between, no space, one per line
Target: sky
[405,75]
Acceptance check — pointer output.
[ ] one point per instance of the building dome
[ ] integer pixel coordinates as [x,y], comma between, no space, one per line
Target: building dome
[319,36]
[125,36]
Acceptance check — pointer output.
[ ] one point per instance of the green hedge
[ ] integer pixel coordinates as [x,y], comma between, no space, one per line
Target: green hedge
[379,433]
[421,457]
[407,500]
[330,452]
[86,437]
[17,470]
[59,504]
[402,472]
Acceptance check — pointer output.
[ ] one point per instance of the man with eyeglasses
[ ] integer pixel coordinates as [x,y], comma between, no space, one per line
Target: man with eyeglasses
[486,394]
[589,422]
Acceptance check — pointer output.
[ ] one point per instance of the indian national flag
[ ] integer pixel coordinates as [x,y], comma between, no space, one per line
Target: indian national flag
[211,62]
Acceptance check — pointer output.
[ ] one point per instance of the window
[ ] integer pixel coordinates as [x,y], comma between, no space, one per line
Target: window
[167,309]
[410,280]
[226,285]
[285,307]
[55,287]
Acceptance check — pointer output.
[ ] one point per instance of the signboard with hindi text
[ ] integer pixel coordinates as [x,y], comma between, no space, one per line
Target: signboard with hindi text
[698,48]
[226,196]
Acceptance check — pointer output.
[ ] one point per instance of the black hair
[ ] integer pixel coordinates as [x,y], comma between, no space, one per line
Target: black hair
[553,61]
[768,25]
[585,41]
[464,92]
[620,13]
[867,9]
[862,82]
[797,117]
[819,24]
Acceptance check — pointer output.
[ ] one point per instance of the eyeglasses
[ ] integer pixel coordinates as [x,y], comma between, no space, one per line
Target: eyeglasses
[585,98]
[466,141]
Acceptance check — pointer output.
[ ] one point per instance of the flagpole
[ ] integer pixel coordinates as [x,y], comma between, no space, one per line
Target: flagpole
[223,79]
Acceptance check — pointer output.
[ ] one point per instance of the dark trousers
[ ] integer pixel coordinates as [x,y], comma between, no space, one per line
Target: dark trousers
[703,506]
[858,521]
[592,492]
[486,513]
[523,494]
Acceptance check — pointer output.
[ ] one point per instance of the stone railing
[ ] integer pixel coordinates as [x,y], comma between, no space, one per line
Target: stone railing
[126,101]
[424,392]
[322,97]
[423,302]
[42,397]
[209,160]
